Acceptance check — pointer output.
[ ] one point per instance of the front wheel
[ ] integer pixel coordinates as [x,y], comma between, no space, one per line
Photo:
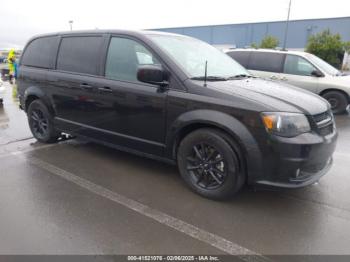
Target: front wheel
[209,165]
[41,122]
[337,100]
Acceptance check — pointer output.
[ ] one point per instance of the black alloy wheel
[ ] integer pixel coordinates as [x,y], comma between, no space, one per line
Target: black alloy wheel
[206,166]
[210,163]
[41,122]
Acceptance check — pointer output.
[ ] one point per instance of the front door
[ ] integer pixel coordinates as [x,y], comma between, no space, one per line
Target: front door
[132,112]
[297,71]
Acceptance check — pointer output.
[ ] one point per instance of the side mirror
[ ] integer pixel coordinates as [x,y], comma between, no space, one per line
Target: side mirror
[317,73]
[152,74]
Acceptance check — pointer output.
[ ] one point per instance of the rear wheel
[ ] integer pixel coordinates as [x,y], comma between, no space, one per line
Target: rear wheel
[209,165]
[41,122]
[337,100]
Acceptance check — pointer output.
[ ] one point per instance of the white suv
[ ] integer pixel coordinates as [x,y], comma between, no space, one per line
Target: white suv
[300,69]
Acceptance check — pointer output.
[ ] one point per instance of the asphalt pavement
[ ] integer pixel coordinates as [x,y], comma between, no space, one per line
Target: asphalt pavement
[76,197]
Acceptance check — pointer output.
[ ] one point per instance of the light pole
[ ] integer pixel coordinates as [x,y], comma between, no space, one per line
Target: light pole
[287,25]
[70,24]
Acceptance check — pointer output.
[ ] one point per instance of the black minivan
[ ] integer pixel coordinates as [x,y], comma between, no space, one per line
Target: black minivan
[175,98]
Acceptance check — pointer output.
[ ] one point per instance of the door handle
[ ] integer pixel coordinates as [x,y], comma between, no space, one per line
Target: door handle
[284,79]
[86,86]
[105,89]
[273,77]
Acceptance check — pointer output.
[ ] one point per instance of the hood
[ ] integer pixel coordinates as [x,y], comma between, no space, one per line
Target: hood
[275,96]
[343,80]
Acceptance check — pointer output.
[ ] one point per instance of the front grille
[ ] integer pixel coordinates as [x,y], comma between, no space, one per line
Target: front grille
[324,117]
[324,123]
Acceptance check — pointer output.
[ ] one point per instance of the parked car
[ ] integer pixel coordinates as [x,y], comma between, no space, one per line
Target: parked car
[180,100]
[2,92]
[301,69]
[5,74]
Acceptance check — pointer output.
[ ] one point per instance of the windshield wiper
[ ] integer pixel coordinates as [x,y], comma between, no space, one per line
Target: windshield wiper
[209,78]
[240,76]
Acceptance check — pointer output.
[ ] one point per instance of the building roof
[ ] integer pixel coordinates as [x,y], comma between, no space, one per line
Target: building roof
[256,23]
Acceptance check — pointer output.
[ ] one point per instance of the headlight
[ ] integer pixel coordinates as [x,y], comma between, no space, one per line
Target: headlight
[285,124]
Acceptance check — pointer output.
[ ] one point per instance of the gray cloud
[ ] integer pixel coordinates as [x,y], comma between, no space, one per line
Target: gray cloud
[29,17]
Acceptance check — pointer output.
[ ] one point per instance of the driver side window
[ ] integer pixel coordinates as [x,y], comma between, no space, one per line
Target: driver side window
[124,57]
[296,65]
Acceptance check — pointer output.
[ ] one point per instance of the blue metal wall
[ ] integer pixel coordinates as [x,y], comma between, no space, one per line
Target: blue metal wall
[243,35]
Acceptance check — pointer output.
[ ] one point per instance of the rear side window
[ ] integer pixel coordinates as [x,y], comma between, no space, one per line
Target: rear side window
[240,57]
[266,61]
[79,54]
[41,52]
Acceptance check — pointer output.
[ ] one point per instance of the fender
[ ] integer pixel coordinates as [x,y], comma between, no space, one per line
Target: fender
[225,122]
[36,91]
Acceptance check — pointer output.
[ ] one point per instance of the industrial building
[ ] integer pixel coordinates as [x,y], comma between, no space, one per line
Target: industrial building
[242,35]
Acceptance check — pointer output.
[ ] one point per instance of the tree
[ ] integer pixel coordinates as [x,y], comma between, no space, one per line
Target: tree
[328,46]
[269,42]
[254,45]
[347,47]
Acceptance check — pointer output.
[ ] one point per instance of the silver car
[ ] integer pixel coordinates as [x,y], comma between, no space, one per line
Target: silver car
[300,69]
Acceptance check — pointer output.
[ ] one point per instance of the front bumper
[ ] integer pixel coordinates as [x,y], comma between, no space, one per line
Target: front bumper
[306,179]
[297,162]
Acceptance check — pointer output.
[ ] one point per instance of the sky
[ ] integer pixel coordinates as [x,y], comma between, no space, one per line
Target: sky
[21,19]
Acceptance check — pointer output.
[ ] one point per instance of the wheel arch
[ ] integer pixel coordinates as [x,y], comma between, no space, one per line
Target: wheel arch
[324,91]
[239,136]
[32,93]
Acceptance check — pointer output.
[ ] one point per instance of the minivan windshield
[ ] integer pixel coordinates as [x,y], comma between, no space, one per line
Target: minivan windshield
[192,54]
[323,65]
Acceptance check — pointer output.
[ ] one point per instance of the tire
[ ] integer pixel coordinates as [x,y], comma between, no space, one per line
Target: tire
[217,174]
[338,101]
[41,122]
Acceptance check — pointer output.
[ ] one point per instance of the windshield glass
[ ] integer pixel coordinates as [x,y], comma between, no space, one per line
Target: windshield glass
[191,54]
[323,65]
